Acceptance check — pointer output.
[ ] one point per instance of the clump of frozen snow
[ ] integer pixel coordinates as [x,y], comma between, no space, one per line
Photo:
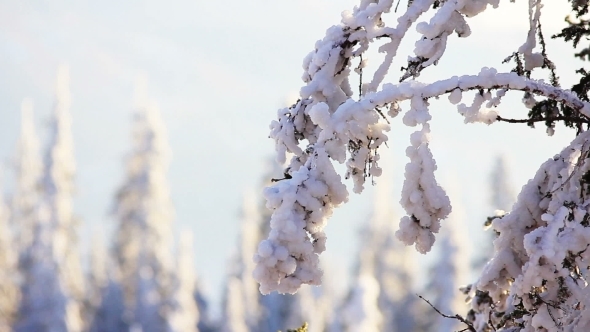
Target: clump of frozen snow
[423,199]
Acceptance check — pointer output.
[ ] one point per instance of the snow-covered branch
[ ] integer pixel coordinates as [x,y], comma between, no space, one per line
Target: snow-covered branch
[539,271]
[327,125]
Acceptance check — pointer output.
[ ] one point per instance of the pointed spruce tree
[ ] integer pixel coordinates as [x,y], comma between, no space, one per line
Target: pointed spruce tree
[501,199]
[44,304]
[501,189]
[9,292]
[448,274]
[104,305]
[57,188]
[206,322]
[28,168]
[243,266]
[25,197]
[25,204]
[144,216]
[234,307]
[311,305]
[389,261]
[184,311]
[361,311]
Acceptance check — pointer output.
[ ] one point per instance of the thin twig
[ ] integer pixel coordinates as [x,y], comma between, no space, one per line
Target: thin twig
[398,1]
[382,115]
[549,118]
[546,61]
[457,316]
[360,68]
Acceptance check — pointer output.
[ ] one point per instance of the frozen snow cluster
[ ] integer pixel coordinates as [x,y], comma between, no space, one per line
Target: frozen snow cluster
[332,123]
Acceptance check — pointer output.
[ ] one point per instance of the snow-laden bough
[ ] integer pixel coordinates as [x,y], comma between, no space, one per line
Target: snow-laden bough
[330,123]
[538,276]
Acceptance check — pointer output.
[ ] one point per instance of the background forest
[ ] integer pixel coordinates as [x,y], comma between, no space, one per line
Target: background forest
[142,279]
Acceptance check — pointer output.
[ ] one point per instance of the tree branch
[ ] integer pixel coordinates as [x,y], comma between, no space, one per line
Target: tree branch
[457,316]
[484,81]
[549,118]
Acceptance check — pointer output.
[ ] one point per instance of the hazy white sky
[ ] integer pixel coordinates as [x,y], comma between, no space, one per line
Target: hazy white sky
[219,70]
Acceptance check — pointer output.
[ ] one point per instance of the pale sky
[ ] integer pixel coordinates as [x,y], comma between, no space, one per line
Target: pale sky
[219,70]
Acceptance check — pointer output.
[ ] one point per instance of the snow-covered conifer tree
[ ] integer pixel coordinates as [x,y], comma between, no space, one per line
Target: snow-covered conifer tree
[276,311]
[108,316]
[537,277]
[250,235]
[104,304]
[97,277]
[28,168]
[44,304]
[184,311]
[393,263]
[57,186]
[443,286]
[448,274]
[9,292]
[389,261]
[144,226]
[311,305]
[25,197]
[206,322]
[148,313]
[502,191]
[261,313]
[361,312]
[502,198]
[234,307]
